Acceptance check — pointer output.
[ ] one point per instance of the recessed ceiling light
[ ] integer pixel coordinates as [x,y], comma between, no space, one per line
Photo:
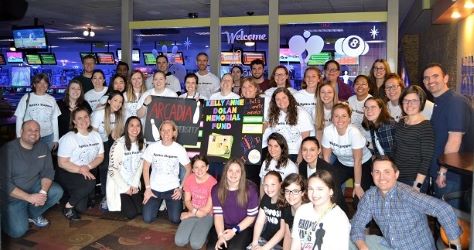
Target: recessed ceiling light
[469,4]
[455,14]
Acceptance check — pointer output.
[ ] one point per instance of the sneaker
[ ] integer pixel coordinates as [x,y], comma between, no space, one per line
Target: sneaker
[163,206]
[39,221]
[103,205]
[71,214]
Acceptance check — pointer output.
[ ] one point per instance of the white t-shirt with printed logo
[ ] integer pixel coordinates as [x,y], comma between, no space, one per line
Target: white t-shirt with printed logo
[292,133]
[358,114]
[80,149]
[172,82]
[307,101]
[165,162]
[207,84]
[97,122]
[284,171]
[41,108]
[131,160]
[93,97]
[342,145]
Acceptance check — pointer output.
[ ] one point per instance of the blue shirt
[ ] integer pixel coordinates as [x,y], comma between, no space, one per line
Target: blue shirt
[451,113]
[401,216]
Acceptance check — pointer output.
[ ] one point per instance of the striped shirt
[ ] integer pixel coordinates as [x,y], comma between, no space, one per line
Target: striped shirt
[413,149]
[401,216]
[233,213]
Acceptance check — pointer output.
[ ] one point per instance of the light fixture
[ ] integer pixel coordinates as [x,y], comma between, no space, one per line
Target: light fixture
[455,14]
[469,4]
[249,43]
[88,32]
[12,46]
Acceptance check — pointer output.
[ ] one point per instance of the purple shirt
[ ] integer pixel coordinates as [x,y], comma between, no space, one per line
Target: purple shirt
[233,214]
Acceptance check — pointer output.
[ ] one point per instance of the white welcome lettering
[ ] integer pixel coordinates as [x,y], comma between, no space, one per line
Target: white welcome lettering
[240,36]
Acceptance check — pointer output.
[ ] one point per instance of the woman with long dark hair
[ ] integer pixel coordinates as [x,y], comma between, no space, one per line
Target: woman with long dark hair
[73,99]
[125,169]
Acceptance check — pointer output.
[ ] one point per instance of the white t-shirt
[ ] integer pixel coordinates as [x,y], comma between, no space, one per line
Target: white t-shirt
[80,149]
[196,95]
[327,117]
[307,101]
[207,84]
[358,114]
[165,93]
[342,145]
[172,83]
[165,162]
[41,108]
[93,97]
[284,171]
[330,232]
[97,122]
[292,133]
[131,160]
[219,96]
[131,107]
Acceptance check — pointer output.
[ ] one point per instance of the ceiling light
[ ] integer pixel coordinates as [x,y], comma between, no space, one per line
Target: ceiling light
[12,47]
[249,43]
[88,32]
[455,14]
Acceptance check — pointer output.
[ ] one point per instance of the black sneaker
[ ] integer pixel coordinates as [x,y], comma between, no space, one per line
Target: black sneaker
[71,214]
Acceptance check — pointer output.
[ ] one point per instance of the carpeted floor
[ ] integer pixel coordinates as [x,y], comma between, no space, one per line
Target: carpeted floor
[96,231]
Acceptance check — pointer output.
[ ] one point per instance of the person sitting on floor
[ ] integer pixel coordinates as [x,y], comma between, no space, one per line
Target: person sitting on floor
[400,212]
[26,181]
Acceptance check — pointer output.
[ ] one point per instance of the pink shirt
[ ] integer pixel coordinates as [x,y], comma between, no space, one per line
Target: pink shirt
[200,192]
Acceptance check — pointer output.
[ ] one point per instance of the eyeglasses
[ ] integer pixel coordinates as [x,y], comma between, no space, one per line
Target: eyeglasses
[390,88]
[379,68]
[412,102]
[371,108]
[292,192]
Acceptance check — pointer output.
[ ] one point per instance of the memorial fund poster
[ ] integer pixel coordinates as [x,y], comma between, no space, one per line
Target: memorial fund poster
[184,112]
[233,129]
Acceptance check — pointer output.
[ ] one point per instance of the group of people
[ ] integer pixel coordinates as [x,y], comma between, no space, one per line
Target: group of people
[386,137]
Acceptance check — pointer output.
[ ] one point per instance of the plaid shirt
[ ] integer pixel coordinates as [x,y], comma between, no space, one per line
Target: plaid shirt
[385,135]
[401,216]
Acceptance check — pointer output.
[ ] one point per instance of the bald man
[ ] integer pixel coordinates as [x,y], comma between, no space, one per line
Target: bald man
[26,181]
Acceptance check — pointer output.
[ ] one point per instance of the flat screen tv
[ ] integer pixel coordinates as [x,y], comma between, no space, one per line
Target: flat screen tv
[48,59]
[83,54]
[20,76]
[248,57]
[2,60]
[105,58]
[178,58]
[33,59]
[231,57]
[319,59]
[149,58]
[135,55]
[30,38]
[14,57]
[346,60]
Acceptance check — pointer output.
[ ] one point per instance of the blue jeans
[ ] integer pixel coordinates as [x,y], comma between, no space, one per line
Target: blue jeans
[174,207]
[48,139]
[16,212]
[454,182]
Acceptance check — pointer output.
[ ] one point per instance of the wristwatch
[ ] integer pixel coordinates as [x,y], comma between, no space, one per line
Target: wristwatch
[454,246]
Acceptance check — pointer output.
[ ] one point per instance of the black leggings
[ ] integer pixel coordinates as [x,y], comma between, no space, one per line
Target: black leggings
[240,240]
[131,204]
[77,187]
[346,172]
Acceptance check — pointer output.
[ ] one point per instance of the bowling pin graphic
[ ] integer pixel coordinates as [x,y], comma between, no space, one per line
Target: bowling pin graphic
[154,130]
[196,113]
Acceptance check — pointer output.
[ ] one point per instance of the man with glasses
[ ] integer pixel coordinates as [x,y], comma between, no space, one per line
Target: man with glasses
[452,125]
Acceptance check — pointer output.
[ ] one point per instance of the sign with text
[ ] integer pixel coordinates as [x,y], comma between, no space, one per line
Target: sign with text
[233,128]
[184,112]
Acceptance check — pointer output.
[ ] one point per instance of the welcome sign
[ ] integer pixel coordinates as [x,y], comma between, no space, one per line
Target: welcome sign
[233,128]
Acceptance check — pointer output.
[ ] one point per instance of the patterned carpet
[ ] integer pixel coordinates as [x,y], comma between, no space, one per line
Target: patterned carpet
[96,231]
